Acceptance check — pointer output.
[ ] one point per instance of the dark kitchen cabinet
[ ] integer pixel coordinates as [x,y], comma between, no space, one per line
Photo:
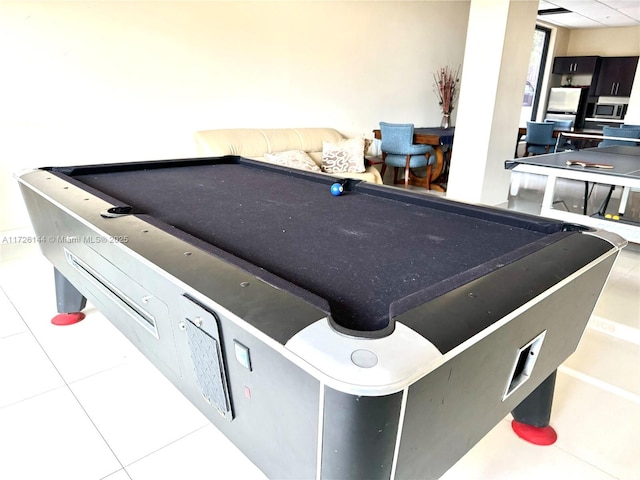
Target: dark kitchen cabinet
[575,65]
[616,76]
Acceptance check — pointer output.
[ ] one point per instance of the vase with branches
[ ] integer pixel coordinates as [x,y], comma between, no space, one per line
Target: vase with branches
[446,81]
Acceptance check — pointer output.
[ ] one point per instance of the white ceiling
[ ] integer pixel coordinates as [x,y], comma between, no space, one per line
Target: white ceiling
[592,13]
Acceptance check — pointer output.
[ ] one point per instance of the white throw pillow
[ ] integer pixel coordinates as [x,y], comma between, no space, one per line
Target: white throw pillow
[345,156]
[294,159]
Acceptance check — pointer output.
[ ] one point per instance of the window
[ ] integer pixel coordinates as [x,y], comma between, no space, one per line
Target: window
[533,84]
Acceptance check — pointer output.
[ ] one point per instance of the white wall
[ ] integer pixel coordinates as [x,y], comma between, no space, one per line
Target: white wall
[105,81]
[606,42]
[93,82]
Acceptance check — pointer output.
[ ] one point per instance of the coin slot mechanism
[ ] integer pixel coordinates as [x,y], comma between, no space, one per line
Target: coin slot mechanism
[523,365]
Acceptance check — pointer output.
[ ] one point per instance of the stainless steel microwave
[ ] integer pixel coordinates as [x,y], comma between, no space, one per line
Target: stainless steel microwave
[614,111]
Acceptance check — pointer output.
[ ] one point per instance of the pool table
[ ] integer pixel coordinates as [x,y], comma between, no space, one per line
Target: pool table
[375,334]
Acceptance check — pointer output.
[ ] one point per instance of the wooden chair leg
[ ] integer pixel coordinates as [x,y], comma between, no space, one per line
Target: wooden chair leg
[526,150]
[396,180]
[384,165]
[406,172]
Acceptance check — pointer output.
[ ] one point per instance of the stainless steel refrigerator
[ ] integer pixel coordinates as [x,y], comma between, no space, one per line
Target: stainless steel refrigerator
[568,103]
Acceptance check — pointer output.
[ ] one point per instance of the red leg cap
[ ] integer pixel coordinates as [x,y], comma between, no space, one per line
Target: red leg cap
[67,318]
[536,435]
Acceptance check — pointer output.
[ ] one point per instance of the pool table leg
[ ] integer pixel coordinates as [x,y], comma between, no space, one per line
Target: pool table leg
[531,417]
[69,301]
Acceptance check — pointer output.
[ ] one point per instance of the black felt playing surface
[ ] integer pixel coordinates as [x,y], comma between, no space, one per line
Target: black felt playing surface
[361,252]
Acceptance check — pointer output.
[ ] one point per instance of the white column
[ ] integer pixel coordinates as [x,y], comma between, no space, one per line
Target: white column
[496,58]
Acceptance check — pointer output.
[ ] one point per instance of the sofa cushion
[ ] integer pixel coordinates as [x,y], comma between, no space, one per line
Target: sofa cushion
[253,143]
[294,159]
[343,156]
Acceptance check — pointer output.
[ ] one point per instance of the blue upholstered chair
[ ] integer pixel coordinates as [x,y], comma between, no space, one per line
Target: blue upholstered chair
[562,126]
[619,132]
[398,151]
[539,138]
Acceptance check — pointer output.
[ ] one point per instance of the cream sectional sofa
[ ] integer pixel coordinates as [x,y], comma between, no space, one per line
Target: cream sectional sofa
[253,143]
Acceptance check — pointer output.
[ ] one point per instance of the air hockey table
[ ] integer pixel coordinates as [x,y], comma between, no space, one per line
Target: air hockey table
[374,334]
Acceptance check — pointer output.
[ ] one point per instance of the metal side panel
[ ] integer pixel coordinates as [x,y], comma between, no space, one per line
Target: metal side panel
[129,293]
[452,408]
[359,435]
[272,414]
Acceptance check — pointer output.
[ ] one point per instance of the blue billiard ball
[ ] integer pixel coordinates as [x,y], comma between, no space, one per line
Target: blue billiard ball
[337,189]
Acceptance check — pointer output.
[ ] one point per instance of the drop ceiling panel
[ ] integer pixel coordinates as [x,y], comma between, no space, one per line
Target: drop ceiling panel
[593,13]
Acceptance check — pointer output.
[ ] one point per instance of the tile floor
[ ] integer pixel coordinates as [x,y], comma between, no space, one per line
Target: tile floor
[80,402]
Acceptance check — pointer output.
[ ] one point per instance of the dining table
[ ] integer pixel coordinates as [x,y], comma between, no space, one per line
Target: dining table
[441,139]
